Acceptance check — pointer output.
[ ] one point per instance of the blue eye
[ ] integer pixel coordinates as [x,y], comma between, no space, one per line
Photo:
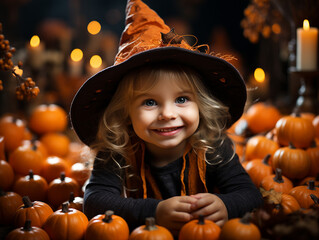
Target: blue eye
[149,102]
[181,100]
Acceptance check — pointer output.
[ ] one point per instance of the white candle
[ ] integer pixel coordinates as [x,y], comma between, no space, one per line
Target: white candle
[76,63]
[35,52]
[307,43]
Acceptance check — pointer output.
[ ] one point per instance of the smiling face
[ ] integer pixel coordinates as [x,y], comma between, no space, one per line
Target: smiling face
[166,114]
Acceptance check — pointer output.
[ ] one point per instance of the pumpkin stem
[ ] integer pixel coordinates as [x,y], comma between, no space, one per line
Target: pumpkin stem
[201,220]
[108,216]
[27,225]
[31,174]
[311,185]
[71,198]
[296,112]
[65,207]
[62,176]
[27,202]
[278,177]
[246,218]
[266,159]
[314,198]
[2,193]
[291,146]
[150,224]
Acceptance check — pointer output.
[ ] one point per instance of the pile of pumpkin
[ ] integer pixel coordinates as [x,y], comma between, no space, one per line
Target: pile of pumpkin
[280,152]
[43,171]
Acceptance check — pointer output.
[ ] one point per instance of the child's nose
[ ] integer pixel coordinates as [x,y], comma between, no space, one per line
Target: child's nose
[167,112]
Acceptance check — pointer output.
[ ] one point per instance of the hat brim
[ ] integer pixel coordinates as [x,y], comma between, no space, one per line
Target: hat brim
[221,78]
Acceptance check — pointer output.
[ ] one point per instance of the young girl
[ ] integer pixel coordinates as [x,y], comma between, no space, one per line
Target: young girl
[157,121]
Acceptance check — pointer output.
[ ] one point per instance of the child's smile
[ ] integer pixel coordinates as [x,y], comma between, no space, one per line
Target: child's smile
[166,115]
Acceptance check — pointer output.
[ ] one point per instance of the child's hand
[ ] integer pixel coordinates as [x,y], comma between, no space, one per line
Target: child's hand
[211,207]
[174,212]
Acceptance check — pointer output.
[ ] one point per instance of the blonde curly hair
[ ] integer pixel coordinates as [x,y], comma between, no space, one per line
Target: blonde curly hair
[115,131]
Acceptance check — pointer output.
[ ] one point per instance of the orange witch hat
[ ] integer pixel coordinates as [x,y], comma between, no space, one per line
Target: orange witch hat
[146,39]
[145,30]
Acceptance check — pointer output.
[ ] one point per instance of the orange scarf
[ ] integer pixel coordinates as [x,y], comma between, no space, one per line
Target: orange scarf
[147,187]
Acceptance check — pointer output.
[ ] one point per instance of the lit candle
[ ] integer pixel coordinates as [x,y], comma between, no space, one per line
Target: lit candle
[96,65]
[76,62]
[35,52]
[307,43]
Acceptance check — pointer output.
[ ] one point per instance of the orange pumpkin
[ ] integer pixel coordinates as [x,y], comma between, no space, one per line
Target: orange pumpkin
[200,229]
[26,158]
[36,144]
[313,153]
[288,204]
[66,224]
[9,203]
[262,117]
[59,190]
[306,180]
[259,146]
[57,144]
[294,162]
[36,211]
[239,229]
[12,129]
[315,123]
[33,186]
[46,118]
[150,231]
[75,202]
[258,169]
[108,227]
[2,150]
[53,166]
[296,130]
[27,232]
[80,172]
[6,175]
[277,182]
[302,194]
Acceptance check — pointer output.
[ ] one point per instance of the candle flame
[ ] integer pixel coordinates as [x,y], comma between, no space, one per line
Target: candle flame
[94,27]
[306,24]
[95,61]
[35,41]
[76,55]
[259,75]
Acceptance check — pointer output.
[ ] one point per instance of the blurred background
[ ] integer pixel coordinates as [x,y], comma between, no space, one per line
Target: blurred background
[260,34]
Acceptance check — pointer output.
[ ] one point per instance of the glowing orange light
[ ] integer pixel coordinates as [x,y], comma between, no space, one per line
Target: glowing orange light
[76,55]
[95,61]
[306,25]
[259,75]
[94,27]
[35,41]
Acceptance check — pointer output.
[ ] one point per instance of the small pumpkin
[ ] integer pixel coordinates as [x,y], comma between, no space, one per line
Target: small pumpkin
[239,229]
[259,146]
[278,182]
[313,153]
[258,169]
[33,186]
[59,190]
[36,211]
[80,172]
[53,166]
[75,202]
[294,162]
[200,229]
[262,117]
[12,129]
[57,144]
[150,231]
[47,118]
[27,232]
[6,175]
[108,227]
[296,130]
[302,194]
[66,224]
[9,203]
[26,158]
